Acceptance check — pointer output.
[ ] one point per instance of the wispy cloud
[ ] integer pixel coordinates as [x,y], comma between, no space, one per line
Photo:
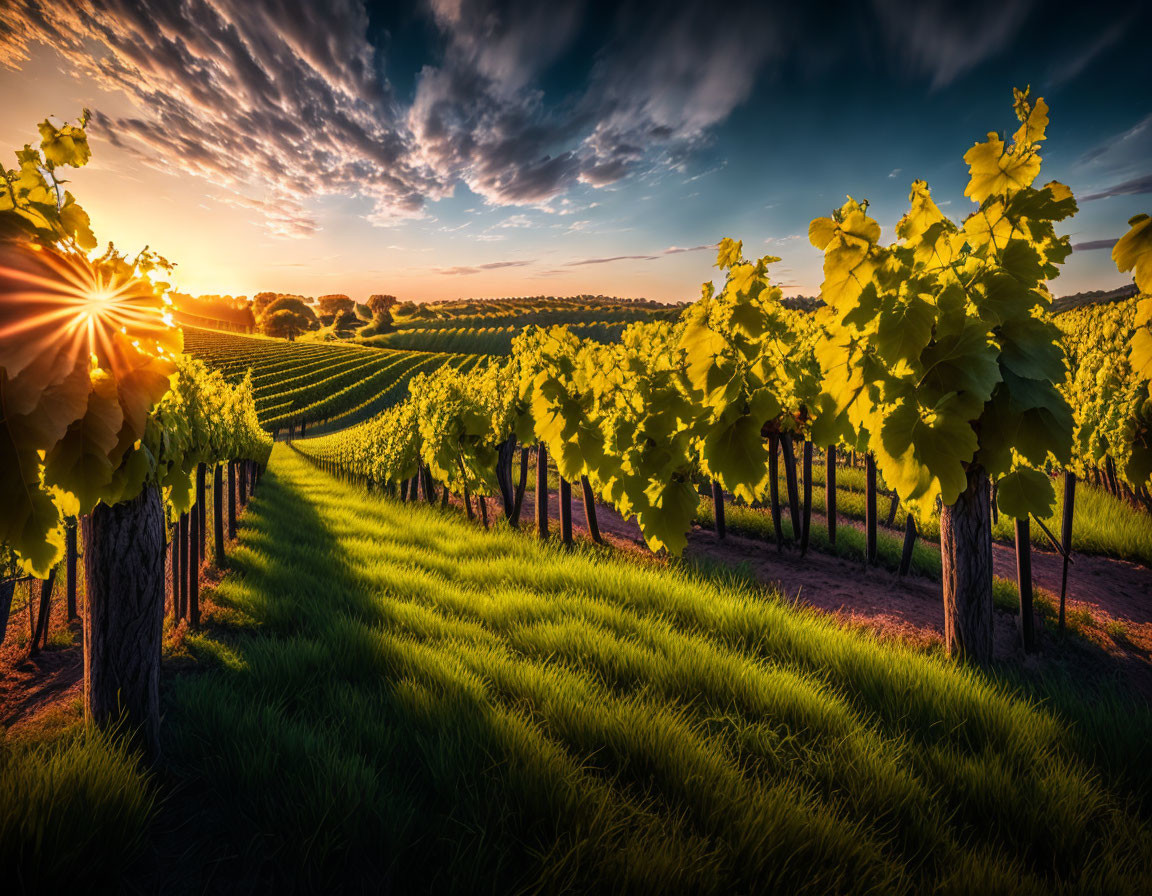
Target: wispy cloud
[463,270]
[894,172]
[1095,244]
[1134,187]
[676,250]
[1068,67]
[583,261]
[517,221]
[671,250]
[1120,148]
[943,39]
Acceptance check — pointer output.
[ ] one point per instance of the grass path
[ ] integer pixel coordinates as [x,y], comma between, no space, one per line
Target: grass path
[408,698]
[387,698]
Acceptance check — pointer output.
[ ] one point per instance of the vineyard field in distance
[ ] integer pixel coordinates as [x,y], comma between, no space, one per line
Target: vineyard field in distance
[328,384]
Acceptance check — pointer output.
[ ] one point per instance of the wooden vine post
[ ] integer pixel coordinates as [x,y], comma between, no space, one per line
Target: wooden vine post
[806,522]
[1024,582]
[565,511]
[7,589]
[124,615]
[521,486]
[909,545]
[718,508]
[787,444]
[182,537]
[195,544]
[1066,536]
[774,487]
[830,492]
[504,458]
[870,506]
[542,490]
[231,499]
[464,484]
[70,557]
[202,508]
[43,613]
[590,510]
[174,567]
[218,513]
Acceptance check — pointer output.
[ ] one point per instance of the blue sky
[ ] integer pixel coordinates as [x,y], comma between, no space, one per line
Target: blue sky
[473,148]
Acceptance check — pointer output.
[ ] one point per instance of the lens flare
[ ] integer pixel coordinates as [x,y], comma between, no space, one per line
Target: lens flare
[51,302]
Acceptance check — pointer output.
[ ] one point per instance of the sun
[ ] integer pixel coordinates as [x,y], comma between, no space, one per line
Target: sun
[53,302]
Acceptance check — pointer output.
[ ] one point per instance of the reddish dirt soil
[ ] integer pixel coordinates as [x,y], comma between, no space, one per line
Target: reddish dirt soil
[33,686]
[38,689]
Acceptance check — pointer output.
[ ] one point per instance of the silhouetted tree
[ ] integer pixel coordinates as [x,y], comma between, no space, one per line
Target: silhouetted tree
[285,324]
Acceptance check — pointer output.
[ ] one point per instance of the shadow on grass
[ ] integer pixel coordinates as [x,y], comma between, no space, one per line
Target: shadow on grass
[299,759]
[396,703]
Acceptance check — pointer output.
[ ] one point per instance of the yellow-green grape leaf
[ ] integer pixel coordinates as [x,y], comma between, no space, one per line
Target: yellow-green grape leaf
[1033,120]
[995,170]
[741,277]
[1025,491]
[922,454]
[926,229]
[729,253]
[905,327]
[965,363]
[1133,252]
[30,523]
[736,452]
[848,246]
[666,520]
[79,463]
[76,223]
[1141,344]
[67,145]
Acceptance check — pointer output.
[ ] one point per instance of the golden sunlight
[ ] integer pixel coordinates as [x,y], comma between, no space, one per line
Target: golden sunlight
[51,301]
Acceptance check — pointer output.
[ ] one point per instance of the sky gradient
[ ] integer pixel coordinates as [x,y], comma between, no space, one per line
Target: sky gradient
[454,148]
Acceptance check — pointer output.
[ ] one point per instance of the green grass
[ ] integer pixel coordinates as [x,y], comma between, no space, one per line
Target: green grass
[72,810]
[1101,523]
[851,543]
[397,699]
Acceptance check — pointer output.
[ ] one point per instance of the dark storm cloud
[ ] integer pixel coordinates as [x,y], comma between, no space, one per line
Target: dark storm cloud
[661,80]
[672,76]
